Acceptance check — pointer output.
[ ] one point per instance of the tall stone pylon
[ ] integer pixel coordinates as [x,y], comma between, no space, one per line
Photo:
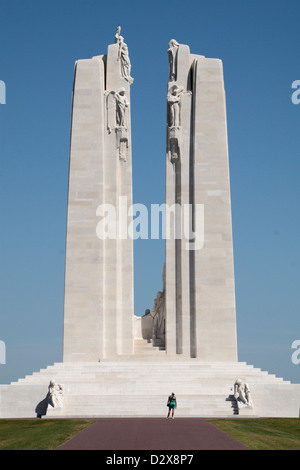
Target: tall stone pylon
[199,270]
[98,305]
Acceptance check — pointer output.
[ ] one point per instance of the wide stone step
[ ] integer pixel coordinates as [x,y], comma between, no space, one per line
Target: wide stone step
[154,405]
[139,379]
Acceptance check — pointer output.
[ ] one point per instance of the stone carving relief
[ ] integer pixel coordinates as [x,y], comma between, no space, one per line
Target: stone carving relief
[117,107]
[122,106]
[242,394]
[123,56]
[54,398]
[122,142]
[174,104]
[55,394]
[158,314]
[172,53]
[174,121]
[173,98]
[117,35]
[159,317]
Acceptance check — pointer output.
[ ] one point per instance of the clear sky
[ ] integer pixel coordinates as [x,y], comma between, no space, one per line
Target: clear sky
[258,42]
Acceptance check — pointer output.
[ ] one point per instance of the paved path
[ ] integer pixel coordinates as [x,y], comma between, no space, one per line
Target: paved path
[151,434]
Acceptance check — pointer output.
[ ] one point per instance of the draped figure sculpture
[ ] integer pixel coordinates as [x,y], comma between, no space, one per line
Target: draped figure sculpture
[123,56]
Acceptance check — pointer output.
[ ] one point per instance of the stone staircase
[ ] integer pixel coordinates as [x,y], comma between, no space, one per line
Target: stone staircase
[148,348]
[139,386]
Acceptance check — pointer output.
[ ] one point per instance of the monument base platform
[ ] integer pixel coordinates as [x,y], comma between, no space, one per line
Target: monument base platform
[140,386]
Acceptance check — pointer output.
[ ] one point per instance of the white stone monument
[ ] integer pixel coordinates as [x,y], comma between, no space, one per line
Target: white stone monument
[199,274]
[98,311]
[196,311]
[187,343]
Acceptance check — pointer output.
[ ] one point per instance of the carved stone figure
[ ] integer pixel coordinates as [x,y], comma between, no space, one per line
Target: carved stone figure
[242,393]
[122,142]
[116,106]
[123,56]
[159,316]
[117,35]
[174,143]
[122,105]
[55,394]
[172,53]
[173,97]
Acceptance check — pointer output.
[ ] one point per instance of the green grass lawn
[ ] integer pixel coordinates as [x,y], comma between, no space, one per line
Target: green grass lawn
[263,433]
[38,434]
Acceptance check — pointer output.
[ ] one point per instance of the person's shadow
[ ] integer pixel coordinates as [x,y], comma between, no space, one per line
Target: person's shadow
[41,407]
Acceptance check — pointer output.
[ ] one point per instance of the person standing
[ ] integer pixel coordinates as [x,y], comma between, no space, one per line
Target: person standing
[172,404]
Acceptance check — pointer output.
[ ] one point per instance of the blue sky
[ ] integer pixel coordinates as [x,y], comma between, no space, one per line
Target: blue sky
[258,42]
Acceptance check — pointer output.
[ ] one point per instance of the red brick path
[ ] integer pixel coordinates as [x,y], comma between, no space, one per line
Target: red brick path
[152,434]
